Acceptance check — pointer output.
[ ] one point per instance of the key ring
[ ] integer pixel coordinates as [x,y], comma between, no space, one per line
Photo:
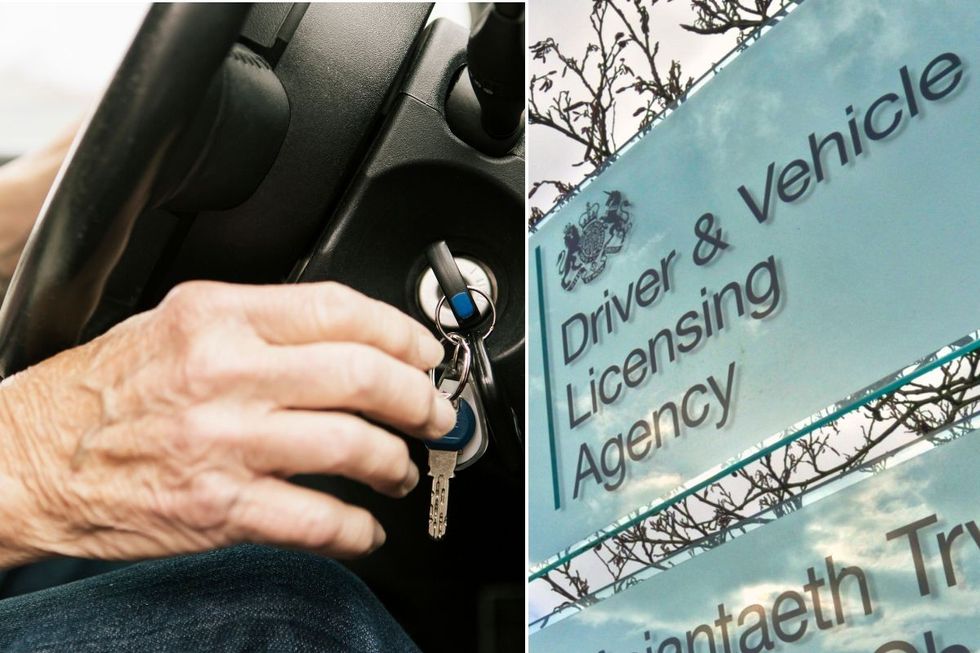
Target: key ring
[464,374]
[442,302]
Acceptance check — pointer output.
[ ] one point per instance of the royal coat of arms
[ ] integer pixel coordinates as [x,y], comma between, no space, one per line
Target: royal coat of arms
[600,231]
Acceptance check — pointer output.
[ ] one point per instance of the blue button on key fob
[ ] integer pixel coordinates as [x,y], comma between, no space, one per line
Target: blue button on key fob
[461,433]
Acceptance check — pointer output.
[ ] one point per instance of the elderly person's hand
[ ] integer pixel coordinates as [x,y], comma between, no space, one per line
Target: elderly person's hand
[174,431]
[24,183]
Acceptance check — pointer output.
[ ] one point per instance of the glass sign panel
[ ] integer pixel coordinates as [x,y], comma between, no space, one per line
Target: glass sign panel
[888,565]
[801,227]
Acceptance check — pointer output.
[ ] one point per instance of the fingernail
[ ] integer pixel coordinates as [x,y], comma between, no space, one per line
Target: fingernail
[430,350]
[379,536]
[445,416]
[411,481]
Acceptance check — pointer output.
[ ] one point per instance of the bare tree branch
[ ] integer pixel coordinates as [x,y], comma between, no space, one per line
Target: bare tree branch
[721,16]
[578,96]
[861,441]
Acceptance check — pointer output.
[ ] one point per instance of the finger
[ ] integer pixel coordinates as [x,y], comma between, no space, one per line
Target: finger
[315,312]
[357,378]
[272,511]
[291,442]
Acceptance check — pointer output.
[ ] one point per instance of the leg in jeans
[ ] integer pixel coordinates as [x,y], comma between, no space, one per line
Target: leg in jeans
[241,599]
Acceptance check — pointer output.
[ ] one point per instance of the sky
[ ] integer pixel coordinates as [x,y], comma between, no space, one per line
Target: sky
[552,155]
[758,566]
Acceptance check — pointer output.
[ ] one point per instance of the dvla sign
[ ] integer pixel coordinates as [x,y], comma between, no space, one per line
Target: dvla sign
[788,237]
[589,243]
[883,118]
[708,402]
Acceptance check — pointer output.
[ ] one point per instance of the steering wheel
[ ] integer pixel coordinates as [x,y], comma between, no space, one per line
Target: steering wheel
[109,176]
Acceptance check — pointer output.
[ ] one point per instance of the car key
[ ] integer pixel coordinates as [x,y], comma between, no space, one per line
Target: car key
[498,415]
[477,446]
[505,428]
[443,455]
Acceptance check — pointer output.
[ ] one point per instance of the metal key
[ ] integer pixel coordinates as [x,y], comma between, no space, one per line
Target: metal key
[500,418]
[443,454]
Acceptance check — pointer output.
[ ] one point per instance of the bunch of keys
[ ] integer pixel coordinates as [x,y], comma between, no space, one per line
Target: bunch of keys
[444,452]
[482,410]
[467,441]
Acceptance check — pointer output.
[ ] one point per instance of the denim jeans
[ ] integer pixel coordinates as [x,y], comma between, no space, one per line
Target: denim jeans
[242,599]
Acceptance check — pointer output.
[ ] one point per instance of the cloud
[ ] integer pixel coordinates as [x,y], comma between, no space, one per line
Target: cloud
[886,503]
[905,619]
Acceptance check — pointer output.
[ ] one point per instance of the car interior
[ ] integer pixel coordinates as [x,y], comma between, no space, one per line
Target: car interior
[298,142]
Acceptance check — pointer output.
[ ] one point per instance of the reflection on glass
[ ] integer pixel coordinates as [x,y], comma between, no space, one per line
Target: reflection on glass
[888,565]
[932,402]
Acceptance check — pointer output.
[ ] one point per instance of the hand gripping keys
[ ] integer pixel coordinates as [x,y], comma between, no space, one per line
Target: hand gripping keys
[468,440]
[444,452]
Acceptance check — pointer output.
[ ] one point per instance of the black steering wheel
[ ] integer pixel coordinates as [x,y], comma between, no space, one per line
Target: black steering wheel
[110,175]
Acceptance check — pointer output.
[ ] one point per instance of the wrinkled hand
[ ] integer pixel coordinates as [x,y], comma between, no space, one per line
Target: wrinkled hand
[173,432]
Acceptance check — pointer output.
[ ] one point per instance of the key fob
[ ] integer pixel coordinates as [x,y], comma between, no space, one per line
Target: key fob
[462,431]
[499,416]
[473,450]
[477,445]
